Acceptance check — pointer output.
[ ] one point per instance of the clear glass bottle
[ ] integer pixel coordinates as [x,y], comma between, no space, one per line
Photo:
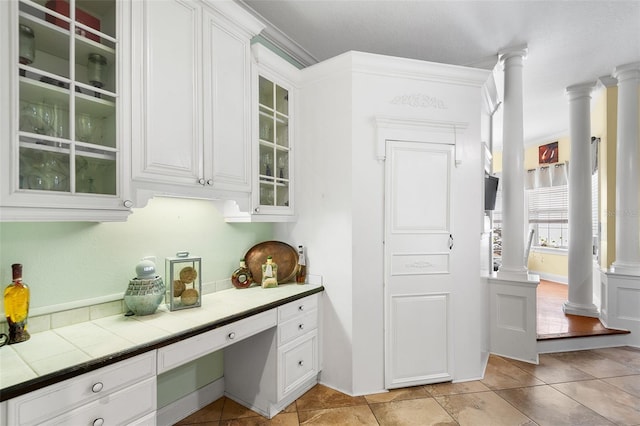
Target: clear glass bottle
[16,306]
[301,273]
[269,273]
[241,277]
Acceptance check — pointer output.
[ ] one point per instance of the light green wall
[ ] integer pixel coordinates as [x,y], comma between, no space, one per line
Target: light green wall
[179,382]
[76,263]
[73,262]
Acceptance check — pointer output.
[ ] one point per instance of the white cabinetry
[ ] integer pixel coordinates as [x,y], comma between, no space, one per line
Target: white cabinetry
[274,92]
[64,91]
[191,109]
[121,393]
[281,364]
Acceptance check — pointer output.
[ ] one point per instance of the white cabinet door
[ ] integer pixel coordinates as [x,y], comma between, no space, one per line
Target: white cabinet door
[418,263]
[168,143]
[227,105]
[64,128]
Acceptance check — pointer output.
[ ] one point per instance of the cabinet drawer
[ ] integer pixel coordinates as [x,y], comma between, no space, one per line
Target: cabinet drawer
[298,362]
[297,308]
[54,400]
[179,353]
[297,326]
[119,408]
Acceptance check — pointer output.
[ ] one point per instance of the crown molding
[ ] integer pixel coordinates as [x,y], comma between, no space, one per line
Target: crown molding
[274,35]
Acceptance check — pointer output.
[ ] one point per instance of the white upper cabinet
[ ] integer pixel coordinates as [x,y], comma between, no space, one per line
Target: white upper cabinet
[274,89]
[64,90]
[191,99]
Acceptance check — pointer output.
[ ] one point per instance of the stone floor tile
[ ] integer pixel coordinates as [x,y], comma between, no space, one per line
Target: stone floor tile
[282,419]
[629,384]
[398,395]
[418,412]
[605,399]
[482,408]
[208,415]
[321,397]
[345,416]
[501,374]
[552,369]
[548,406]
[233,410]
[440,389]
[596,364]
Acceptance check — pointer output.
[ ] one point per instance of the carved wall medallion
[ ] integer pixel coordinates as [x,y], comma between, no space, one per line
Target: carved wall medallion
[419,100]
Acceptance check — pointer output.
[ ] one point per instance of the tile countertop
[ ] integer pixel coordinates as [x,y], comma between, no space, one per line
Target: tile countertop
[54,355]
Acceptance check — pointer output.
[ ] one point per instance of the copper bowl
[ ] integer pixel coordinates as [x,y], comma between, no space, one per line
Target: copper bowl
[285,256]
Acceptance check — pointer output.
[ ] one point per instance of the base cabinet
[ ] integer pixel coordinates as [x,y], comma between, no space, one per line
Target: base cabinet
[121,393]
[272,369]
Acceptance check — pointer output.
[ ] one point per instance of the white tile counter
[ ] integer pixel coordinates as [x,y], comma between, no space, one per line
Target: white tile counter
[57,354]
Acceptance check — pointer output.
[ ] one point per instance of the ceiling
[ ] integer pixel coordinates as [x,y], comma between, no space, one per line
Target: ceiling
[569,42]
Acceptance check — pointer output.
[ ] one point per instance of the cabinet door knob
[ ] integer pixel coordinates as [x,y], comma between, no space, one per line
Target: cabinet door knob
[301,326]
[301,363]
[98,422]
[257,210]
[201,181]
[97,387]
[301,308]
[232,335]
[128,203]
[210,182]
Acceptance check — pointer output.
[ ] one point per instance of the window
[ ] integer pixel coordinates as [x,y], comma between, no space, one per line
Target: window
[549,215]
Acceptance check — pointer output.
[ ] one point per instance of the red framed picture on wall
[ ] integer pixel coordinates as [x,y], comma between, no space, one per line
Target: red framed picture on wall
[548,153]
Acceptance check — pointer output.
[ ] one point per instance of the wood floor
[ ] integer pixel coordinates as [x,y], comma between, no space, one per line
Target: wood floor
[553,323]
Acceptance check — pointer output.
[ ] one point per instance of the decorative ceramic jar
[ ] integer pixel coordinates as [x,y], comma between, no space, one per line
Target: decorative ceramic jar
[146,291]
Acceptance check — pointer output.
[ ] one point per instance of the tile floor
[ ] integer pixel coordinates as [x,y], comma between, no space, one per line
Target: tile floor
[594,387]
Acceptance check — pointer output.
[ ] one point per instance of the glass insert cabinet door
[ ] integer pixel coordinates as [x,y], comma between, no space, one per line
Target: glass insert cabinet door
[67,91]
[274,147]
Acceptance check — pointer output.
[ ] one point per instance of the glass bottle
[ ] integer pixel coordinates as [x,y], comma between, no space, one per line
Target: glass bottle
[269,273]
[301,273]
[241,277]
[16,306]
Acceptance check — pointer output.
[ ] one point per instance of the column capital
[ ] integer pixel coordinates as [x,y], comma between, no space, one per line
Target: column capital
[581,90]
[627,71]
[512,52]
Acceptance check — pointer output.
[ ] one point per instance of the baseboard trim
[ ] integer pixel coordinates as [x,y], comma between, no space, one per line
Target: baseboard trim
[189,404]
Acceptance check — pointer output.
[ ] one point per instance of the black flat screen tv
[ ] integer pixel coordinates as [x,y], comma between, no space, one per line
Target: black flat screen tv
[490,191]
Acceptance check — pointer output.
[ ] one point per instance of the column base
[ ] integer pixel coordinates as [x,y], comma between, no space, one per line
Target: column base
[583,310]
[516,274]
[625,268]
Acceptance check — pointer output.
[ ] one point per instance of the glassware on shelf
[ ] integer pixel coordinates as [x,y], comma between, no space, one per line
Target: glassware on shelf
[27,47]
[281,166]
[84,127]
[266,161]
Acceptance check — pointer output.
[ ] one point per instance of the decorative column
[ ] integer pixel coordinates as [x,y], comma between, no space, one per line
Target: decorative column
[627,172]
[513,213]
[581,236]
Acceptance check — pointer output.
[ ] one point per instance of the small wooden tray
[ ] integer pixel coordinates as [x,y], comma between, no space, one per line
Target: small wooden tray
[282,253]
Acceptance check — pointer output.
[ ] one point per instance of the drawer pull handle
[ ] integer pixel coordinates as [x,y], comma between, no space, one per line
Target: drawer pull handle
[97,387]
[232,335]
[98,422]
[301,308]
[301,326]
[301,363]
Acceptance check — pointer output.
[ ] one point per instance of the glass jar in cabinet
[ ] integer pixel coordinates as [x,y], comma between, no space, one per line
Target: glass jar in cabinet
[67,132]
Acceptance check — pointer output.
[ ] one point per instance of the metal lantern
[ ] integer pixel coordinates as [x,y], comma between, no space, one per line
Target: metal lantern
[184,281]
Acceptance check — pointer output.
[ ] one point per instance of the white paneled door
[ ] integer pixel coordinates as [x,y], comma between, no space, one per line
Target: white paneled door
[419,273]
